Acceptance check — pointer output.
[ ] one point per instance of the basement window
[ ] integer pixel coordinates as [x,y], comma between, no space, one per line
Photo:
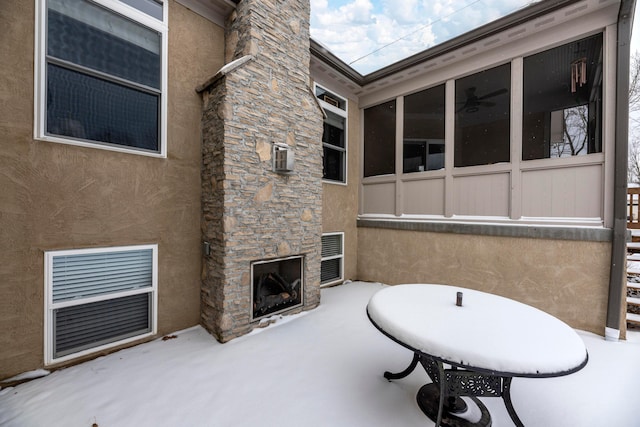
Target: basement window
[332,266]
[98,299]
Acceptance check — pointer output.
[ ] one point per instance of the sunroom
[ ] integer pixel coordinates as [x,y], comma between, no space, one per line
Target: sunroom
[493,160]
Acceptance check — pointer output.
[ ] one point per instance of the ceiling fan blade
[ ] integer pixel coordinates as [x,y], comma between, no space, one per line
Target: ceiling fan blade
[492,94]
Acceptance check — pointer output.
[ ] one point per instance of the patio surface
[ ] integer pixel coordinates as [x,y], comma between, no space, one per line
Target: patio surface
[320,368]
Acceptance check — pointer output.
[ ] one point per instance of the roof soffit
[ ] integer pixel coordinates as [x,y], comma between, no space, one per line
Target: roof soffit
[215,11]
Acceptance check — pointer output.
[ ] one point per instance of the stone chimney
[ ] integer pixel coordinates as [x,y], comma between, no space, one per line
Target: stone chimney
[260,102]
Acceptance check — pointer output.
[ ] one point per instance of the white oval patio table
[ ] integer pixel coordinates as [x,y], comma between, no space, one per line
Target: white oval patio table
[485,341]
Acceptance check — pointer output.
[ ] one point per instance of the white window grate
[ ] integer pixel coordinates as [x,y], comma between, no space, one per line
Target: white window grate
[332,265]
[98,298]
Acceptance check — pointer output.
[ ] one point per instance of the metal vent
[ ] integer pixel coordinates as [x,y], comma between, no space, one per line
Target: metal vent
[283,158]
[332,258]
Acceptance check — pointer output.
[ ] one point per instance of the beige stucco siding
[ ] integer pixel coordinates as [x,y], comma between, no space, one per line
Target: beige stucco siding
[568,279]
[55,196]
[340,202]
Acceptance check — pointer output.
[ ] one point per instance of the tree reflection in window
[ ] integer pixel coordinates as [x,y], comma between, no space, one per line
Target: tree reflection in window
[562,117]
[569,136]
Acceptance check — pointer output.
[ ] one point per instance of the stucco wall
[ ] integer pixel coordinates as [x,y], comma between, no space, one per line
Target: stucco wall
[568,279]
[340,202]
[56,196]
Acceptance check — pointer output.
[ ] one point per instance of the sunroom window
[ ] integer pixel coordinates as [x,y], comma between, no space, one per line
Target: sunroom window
[334,135]
[380,139]
[423,143]
[98,298]
[482,120]
[101,79]
[562,111]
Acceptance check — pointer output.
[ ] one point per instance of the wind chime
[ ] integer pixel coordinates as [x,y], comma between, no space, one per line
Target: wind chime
[578,73]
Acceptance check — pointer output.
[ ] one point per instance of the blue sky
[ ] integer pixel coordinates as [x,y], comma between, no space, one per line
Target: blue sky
[370,34]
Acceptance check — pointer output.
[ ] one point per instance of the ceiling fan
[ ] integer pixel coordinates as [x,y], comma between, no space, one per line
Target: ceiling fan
[473,102]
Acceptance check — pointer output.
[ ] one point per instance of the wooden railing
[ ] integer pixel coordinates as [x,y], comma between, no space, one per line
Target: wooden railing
[633,197]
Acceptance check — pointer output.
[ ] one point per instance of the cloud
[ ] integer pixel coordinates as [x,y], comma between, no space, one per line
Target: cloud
[377,33]
[403,12]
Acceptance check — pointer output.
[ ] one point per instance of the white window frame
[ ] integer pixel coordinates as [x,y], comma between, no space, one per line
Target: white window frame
[344,114]
[340,256]
[40,80]
[50,306]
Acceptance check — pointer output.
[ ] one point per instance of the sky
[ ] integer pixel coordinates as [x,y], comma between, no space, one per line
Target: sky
[319,368]
[371,34]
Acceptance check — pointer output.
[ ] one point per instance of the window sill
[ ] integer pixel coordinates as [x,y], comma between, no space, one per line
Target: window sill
[328,181]
[100,146]
[569,229]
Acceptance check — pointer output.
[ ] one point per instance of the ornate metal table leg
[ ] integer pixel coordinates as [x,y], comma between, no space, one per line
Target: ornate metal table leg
[506,396]
[391,376]
[443,383]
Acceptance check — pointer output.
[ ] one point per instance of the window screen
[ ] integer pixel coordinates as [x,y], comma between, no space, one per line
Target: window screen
[562,111]
[482,120]
[380,139]
[423,144]
[86,326]
[333,141]
[103,76]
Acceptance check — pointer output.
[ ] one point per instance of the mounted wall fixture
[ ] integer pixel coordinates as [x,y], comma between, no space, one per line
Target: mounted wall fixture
[283,158]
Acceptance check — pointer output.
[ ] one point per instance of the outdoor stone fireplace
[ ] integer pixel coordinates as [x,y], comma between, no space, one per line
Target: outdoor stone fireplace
[276,285]
[261,172]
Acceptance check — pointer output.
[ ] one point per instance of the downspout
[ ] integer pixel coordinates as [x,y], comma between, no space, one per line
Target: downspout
[617,279]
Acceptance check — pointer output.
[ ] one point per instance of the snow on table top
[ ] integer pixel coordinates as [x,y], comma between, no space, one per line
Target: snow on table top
[488,332]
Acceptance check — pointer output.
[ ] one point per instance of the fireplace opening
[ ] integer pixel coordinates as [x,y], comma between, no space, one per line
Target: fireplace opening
[277,285]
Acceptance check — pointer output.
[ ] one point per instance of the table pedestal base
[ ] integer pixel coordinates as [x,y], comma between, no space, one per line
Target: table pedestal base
[428,400]
[455,383]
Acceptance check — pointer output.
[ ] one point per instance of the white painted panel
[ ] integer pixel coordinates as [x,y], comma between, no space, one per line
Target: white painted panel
[423,197]
[379,198]
[482,195]
[573,192]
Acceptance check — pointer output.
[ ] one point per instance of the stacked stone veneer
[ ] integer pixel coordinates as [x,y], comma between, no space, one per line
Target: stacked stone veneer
[250,212]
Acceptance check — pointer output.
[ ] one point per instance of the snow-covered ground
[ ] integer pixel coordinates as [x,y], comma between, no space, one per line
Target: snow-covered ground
[320,368]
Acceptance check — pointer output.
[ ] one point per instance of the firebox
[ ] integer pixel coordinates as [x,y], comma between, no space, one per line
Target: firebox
[276,285]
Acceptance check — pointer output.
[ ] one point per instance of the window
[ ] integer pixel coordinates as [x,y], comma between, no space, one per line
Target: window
[423,143]
[380,139]
[474,176]
[482,120]
[332,258]
[562,105]
[102,74]
[334,163]
[98,298]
